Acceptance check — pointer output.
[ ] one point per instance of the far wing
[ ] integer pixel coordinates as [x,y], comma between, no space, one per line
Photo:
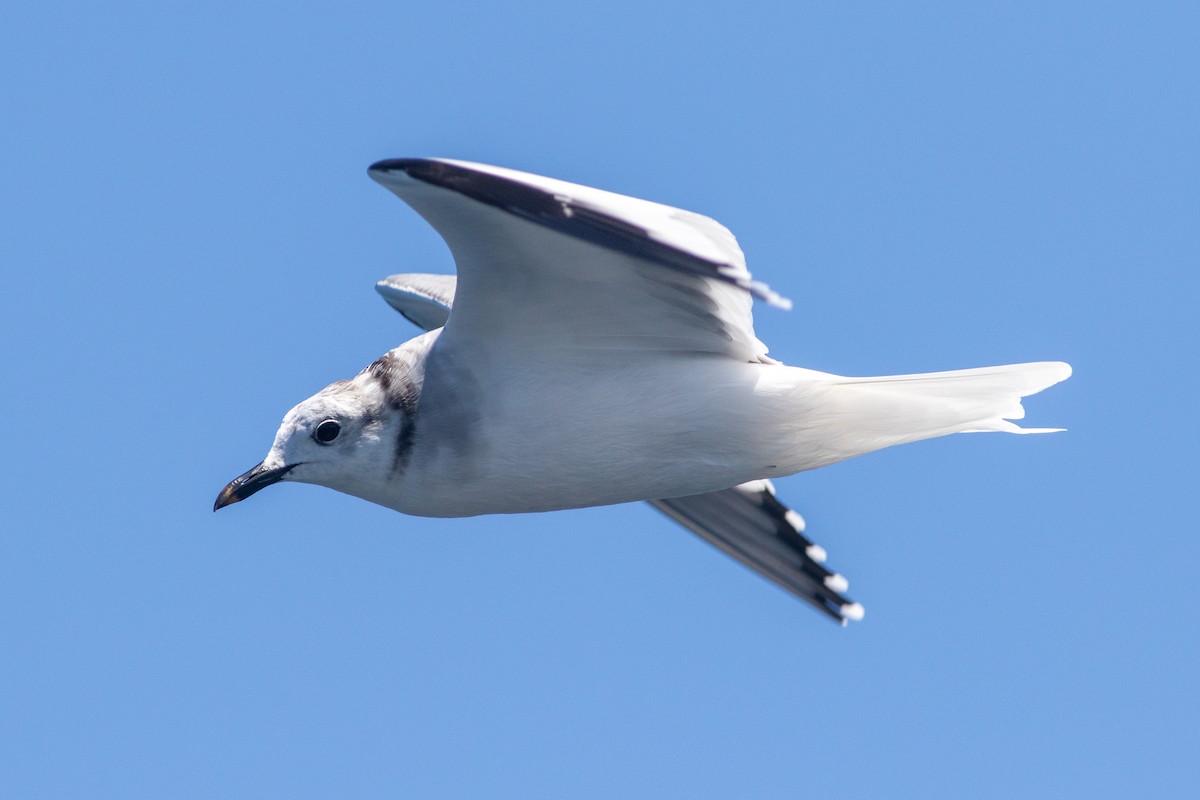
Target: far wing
[748,522]
[424,300]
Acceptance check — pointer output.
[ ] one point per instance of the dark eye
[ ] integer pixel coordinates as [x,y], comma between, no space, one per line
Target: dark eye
[327,431]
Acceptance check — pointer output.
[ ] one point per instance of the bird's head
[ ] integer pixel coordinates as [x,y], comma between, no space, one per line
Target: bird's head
[352,436]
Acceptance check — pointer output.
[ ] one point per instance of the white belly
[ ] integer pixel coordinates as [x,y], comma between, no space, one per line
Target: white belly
[559,440]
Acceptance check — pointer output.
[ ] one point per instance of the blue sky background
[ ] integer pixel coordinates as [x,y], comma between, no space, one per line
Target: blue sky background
[190,241]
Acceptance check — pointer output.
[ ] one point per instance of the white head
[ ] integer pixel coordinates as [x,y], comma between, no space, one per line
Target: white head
[354,436]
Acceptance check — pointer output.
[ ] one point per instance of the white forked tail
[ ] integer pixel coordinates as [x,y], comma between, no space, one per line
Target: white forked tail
[858,415]
[973,400]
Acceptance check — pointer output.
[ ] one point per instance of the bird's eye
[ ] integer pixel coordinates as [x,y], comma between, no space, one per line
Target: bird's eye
[327,431]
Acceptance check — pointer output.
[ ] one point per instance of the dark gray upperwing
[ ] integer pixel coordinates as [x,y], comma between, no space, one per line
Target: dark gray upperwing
[747,522]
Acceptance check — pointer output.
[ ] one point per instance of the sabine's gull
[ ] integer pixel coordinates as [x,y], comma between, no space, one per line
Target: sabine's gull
[594,349]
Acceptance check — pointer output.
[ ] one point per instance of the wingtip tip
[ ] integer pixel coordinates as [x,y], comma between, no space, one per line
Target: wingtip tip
[768,295]
[798,524]
[852,611]
[388,165]
[836,582]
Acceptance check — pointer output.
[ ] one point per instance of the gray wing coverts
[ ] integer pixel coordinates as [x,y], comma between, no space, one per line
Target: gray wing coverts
[747,522]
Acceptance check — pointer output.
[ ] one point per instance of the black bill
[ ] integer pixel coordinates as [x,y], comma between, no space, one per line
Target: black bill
[248,483]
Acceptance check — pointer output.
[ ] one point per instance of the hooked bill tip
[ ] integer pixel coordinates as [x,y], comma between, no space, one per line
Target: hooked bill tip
[227,497]
[249,482]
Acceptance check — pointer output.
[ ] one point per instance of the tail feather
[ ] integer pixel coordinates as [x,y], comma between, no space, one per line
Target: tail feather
[1019,380]
[987,396]
[864,414]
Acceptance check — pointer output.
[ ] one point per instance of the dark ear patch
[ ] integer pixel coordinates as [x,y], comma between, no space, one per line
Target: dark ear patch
[381,370]
[404,442]
[392,376]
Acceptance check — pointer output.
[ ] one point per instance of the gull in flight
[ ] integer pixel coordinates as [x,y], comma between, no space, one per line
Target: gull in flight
[594,349]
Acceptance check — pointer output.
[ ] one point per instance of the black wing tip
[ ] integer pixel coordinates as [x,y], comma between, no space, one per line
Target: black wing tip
[396,164]
[511,195]
[428,170]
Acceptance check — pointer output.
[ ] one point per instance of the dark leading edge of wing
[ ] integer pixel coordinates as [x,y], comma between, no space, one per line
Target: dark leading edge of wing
[747,522]
[571,218]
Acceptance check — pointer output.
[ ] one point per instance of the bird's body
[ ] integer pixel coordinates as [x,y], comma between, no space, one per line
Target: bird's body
[540,439]
[544,439]
[596,349]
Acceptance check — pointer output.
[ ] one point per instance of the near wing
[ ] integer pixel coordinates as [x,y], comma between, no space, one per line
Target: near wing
[600,272]
[748,522]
